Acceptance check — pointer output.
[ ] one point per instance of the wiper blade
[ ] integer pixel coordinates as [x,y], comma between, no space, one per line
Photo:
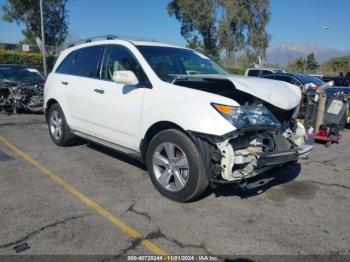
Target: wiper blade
[178,76]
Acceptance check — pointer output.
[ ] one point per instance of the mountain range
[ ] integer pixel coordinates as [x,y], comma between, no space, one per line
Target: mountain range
[282,53]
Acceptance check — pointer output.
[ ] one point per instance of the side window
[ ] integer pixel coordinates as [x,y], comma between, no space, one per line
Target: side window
[66,66]
[87,61]
[120,58]
[253,72]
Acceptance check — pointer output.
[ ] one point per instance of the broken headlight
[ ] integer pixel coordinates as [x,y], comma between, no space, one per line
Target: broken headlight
[242,116]
[296,112]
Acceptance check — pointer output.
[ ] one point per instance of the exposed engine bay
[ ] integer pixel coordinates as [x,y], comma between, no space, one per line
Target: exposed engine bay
[16,96]
[252,148]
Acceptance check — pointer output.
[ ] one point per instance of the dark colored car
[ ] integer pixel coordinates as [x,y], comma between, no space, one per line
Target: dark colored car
[296,79]
[340,80]
[19,73]
[308,85]
[21,88]
[262,71]
[334,91]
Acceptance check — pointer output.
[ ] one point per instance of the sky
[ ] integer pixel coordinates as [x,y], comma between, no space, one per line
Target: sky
[292,21]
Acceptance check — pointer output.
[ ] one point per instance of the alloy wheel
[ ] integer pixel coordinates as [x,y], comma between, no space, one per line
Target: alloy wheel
[56,125]
[170,166]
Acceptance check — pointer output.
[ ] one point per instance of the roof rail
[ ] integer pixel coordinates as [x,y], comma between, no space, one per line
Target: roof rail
[92,39]
[108,37]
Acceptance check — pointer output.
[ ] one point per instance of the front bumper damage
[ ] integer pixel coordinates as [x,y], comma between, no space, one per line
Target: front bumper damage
[247,153]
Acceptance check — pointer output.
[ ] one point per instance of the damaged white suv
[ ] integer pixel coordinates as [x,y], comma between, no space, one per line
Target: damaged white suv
[191,122]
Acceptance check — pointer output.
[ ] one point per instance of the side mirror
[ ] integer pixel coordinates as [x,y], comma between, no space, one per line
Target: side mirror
[125,77]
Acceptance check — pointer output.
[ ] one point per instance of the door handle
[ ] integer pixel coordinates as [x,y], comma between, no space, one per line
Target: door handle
[64,83]
[99,91]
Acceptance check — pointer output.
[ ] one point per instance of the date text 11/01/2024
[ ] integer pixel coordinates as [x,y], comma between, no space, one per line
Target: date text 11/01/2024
[173,258]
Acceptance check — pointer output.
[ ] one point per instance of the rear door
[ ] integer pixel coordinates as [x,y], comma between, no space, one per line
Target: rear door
[117,110]
[79,84]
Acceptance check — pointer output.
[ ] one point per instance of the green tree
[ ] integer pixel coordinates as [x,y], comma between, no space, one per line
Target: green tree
[336,65]
[296,65]
[257,18]
[27,12]
[311,63]
[197,19]
[229,25]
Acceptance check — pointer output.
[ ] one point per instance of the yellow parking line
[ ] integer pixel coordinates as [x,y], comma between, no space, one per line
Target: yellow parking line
[88,201]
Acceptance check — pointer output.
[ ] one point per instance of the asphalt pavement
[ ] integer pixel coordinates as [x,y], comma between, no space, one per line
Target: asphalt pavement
[87,200]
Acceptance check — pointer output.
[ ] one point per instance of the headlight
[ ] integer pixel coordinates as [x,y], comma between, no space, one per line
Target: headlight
[296,112]
[241,116]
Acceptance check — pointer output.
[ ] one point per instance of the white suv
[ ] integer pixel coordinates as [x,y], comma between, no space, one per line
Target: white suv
[191,122]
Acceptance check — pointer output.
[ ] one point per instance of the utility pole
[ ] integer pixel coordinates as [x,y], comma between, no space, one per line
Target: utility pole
[308,41]
[43,49]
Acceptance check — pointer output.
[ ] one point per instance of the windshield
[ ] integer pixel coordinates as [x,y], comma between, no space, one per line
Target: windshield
[169,62]
[20,74]
[309,79]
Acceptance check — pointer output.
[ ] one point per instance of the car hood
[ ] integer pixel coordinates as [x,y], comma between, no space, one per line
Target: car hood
[278,93]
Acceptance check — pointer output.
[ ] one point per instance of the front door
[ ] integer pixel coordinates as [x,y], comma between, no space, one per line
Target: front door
[117,107]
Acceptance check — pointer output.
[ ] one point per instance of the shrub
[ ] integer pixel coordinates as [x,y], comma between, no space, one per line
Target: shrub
[23,58]
[236,71]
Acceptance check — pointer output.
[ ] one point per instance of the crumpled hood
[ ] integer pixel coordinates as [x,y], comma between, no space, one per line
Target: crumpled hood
[278,93]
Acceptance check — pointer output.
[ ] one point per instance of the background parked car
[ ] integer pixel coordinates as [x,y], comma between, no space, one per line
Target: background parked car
[21,88]
[308,85]
[300,80]
[262,71]
[340,80]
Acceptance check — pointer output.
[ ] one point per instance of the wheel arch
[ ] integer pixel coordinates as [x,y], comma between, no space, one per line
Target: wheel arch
[49,103]
[153,130]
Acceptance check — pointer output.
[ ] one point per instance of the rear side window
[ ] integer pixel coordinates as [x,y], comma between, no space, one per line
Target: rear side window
[253,72]
[87,61]
[66,66]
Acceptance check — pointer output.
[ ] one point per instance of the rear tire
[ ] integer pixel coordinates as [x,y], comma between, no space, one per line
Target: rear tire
[175,166]
[58,127]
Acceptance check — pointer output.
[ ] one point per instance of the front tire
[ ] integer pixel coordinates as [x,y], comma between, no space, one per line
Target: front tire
[175,166]
[58,127]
